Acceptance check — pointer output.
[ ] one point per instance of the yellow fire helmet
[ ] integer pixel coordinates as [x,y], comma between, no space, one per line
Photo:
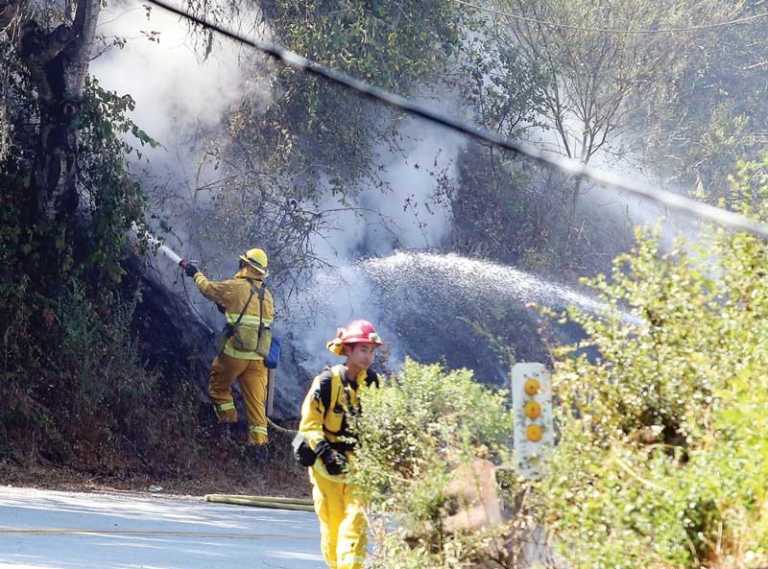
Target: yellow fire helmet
[256,259]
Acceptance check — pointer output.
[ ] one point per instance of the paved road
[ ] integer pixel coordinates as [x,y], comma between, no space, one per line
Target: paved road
[42,529]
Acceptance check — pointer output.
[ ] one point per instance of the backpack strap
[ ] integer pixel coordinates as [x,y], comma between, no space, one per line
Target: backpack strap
[262,292]
[229,329]
[330,390]
[327,384]
[348,440]
[242,312]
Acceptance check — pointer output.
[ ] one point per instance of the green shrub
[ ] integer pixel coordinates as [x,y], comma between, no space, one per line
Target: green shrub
[73,385]
[414,431]
[663,459]
[89,403]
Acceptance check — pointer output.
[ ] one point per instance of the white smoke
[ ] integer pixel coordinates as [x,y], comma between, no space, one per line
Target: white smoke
[182,97]
[333,299]
[410,217]
[409,214]
[413,215]
[407,211]
[622,156]
[177,91]
[182,100]
[630,210]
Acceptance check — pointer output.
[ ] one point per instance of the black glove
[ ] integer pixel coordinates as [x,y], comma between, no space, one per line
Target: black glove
[190,269]
[334,461]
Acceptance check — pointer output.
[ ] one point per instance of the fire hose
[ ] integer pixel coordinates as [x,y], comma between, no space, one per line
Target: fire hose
[175,258]
[263,502]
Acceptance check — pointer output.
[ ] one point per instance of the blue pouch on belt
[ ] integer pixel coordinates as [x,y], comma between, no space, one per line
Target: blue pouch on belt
[273,357]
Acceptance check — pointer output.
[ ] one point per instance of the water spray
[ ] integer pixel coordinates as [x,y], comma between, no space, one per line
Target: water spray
[163,249]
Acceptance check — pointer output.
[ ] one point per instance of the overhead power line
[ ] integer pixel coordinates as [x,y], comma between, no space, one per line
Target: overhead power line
[687,29]
[666,198]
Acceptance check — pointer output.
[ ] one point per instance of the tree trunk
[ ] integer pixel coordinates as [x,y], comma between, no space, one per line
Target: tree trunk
[57,61]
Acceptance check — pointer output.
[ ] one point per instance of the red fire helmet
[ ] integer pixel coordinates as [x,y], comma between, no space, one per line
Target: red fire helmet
[357,332]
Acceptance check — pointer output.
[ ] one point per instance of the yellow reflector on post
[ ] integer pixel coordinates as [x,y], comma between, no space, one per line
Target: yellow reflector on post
[534,433]
[532,409]
[532,387]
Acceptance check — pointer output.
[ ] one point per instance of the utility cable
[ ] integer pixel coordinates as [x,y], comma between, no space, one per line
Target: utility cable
[688,29]
[666,198]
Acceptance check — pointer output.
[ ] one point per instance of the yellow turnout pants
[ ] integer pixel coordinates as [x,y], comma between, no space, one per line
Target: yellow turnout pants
[343,525]
[252,374]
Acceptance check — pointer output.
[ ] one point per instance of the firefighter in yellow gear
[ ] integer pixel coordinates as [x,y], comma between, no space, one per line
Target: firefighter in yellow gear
[249,309]
[332,400]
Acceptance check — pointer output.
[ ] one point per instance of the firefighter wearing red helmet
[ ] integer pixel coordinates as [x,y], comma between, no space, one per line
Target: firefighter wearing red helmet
[333,397]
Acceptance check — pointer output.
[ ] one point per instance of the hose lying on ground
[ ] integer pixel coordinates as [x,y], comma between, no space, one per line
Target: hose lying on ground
[263,502]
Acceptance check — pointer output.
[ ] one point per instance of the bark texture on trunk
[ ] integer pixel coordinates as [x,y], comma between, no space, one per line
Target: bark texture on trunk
[57,60]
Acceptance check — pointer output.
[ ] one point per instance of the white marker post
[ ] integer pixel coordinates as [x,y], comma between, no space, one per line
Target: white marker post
[271,379]
[532,405]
